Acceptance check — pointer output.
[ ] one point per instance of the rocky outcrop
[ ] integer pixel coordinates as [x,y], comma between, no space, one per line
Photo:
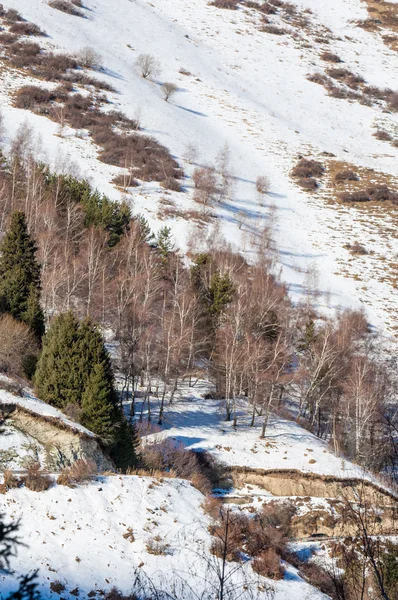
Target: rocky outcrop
[297,483]
[63,444]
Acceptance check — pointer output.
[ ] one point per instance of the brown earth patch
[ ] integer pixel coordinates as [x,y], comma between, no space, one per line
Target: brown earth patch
[383,17]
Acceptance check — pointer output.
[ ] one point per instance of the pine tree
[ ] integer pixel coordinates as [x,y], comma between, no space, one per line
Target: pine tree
[59,379]
[71,351]
[165,244]
[20,276]
[98,410]
[124,452]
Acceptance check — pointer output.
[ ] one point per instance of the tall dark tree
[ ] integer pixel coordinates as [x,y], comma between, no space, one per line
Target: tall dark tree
[75,369]
[20,276]
[98,410]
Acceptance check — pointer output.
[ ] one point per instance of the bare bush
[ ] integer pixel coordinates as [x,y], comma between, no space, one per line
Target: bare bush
[36,480]
[81,470]
[359,196]
[268,564]
[13,15]
[330,57]
[393,101]
[66,7]
[157,546]
[10,481]
[24,28]
[17,343]
[346,175]
[148,65]
[273,29]
[168,90]
[308,183]
[205,181]
[308,168]
[89,58]
[382,135]
[228,4]
[263,184]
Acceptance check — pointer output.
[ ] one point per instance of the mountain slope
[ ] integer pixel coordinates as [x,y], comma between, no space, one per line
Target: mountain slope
[247,89]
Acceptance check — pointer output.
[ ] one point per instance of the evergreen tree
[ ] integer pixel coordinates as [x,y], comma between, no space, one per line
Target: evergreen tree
[165,244]
[98,410]
[20,276]
[59,379]
[75,368]
[124,451]
[71,351]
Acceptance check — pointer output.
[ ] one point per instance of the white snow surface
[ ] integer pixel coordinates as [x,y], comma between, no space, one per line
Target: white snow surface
[200,424]
[247,89]
[75,537]
[40,408]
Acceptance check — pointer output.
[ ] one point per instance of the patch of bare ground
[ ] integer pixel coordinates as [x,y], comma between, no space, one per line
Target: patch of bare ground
[367,202]
[383,17]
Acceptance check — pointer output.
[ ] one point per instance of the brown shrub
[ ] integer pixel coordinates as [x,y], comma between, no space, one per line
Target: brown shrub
[66,7]
[7,38]
[356,248]
[171,184]
[229,4]
[57,587]
[157,546]
[129,535]
[318,78]
[346,175]
[17,343]
[89,58]
[212,507]
[382,135]
[24,28]
[263,184]
[268,564]
[36,480]
[273,29]
[205,182]
[330,57]
[359,196]
[308,168]
[393,101]
[379,192]
[13,15]
[345,76]
[308,183]
[10,481]
[81,470]
[317,577]
[30,96]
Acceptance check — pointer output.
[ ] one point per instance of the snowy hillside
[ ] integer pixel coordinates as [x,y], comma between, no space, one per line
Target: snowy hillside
[135,525]
[248,88]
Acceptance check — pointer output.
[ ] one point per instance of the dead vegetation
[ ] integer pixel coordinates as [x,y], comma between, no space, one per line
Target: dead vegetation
[306,173]
[81,471]
[67,7]
[383,18]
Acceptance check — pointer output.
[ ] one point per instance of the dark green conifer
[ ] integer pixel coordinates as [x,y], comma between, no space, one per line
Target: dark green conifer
[20,276]
[98,410]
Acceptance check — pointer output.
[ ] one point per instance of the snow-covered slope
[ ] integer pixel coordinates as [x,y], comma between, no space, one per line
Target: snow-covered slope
[96,536]
[247,89]
[200,424]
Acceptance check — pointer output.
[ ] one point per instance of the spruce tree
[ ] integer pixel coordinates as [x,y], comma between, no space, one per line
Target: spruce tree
[124,451]
[98,410]
[75,368]
[59,379]
[20,276]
